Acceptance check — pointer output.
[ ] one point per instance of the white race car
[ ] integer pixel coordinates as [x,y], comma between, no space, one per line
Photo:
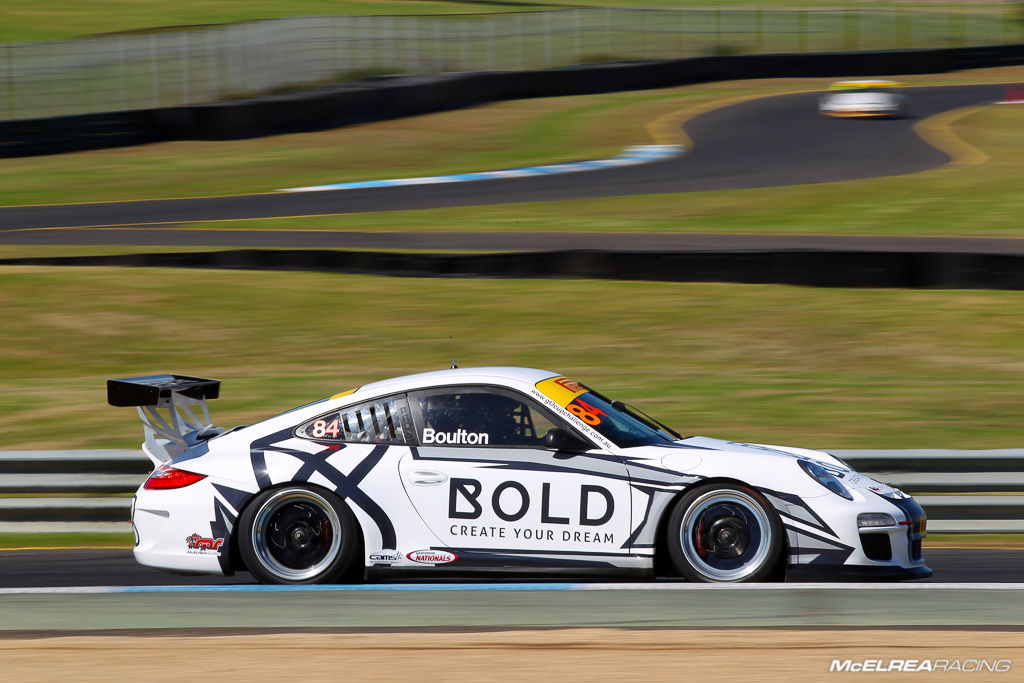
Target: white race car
[468,470]
[863,98]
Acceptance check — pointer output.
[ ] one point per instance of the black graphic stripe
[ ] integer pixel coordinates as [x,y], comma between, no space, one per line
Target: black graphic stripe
[839,553]
[797,501]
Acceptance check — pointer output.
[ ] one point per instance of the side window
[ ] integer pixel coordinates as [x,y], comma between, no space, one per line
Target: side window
[478,416]
[385,420]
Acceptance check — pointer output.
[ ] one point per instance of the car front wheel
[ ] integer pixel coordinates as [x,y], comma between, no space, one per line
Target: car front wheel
[297,534]
[724,533]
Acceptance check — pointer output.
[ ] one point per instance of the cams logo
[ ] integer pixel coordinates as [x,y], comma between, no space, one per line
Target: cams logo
[200,545]
[457,438]
[386,557]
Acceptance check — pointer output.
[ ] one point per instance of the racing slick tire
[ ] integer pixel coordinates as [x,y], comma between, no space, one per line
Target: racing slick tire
[298,534]
[724,533]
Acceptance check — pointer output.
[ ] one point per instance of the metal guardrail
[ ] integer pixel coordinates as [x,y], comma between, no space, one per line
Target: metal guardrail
[214,63]
[89,491]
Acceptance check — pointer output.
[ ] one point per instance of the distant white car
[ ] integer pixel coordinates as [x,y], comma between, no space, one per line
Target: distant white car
[863,98]
[502,469]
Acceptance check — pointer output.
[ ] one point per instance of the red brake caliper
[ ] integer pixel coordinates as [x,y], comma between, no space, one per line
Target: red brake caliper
[698,539]
[325,534]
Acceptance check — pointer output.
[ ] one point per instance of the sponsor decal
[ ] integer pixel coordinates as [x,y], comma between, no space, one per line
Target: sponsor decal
[557,407]
[200,545]
[385,557]
[510,501]
[920,665]
[457,438]
[432,556]
[531,534]
[561,390]
[570,384]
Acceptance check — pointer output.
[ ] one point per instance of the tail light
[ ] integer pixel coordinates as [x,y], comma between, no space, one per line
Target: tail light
[167,477]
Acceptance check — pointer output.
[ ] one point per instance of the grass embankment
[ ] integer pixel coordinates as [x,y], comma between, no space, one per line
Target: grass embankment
[62,19]
[820,368]
[975,200]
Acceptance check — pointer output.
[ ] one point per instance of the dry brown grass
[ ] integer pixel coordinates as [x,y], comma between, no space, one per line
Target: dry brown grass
[562,655]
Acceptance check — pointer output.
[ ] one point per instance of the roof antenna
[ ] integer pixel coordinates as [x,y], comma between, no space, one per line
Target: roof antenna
[451,340]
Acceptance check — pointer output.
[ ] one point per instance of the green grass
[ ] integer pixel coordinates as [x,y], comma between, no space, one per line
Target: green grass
[813,367]
[980,200]
[975,541]
[61,19]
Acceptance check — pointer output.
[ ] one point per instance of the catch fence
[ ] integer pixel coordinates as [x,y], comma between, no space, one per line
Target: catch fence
[221,62]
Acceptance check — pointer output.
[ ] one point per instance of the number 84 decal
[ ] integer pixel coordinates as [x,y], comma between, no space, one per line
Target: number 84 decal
[586,412]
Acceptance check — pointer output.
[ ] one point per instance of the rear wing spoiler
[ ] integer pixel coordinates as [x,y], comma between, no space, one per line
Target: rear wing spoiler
[172,408]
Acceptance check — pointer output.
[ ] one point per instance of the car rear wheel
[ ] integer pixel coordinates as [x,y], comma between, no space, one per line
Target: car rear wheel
[724,533]
[297,534]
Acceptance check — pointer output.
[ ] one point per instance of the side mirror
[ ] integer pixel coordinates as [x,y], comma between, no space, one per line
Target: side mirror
[559,439]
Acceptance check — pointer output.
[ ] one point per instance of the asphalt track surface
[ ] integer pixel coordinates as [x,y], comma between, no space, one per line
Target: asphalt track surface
[100,567]
[772,141]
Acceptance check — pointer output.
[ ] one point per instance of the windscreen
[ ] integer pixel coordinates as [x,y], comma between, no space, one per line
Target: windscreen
[613,420]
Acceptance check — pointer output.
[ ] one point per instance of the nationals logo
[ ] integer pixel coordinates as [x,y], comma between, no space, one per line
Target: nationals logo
[432,556]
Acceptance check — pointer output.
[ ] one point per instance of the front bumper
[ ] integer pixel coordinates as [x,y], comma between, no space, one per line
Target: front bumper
[818,573]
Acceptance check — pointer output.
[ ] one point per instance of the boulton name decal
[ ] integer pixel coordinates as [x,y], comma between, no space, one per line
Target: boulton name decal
[457,438]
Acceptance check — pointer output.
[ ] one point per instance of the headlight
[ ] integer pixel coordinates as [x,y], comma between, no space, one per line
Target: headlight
[825,478]
[872,519]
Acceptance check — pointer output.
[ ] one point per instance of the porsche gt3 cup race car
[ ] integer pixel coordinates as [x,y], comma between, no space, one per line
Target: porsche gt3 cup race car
[863,98]
[477,469]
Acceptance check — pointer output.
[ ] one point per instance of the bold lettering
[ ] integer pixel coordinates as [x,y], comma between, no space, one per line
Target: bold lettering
[585,492]
[844,665]
[545,507]
[524,504]
[463,487]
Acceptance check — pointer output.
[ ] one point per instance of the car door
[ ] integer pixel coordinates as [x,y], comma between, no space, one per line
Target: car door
[487,487]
